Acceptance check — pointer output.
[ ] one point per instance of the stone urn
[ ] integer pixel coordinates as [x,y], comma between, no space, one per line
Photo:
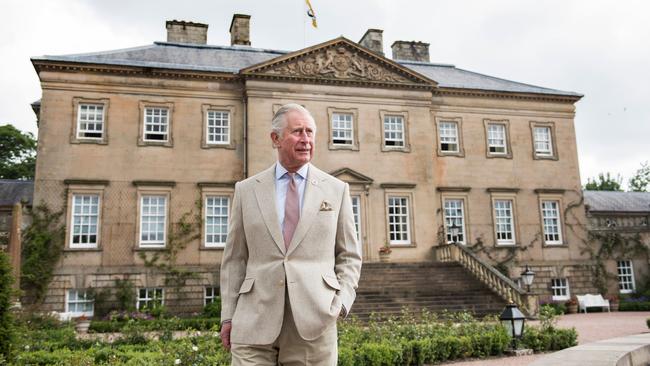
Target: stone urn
[82,324]
[384,254]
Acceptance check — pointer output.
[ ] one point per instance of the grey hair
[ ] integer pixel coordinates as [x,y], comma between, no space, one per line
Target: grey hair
[279,121]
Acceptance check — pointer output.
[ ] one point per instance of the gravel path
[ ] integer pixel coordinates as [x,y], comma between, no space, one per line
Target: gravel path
[591,327]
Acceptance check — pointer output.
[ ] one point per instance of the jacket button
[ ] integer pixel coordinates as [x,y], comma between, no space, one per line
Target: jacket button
[281,283]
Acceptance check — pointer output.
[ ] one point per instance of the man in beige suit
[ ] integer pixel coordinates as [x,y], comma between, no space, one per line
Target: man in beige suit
[292,261]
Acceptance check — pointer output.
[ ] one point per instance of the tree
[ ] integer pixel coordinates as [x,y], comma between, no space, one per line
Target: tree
[604,183]
[17,153]
[6,319]
[640,182]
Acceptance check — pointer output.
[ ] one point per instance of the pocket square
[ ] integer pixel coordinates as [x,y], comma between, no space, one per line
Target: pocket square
[325,206]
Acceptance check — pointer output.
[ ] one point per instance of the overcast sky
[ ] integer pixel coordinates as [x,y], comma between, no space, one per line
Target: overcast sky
[598,48]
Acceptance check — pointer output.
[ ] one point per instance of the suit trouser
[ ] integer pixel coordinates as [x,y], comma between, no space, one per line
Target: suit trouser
[289,349]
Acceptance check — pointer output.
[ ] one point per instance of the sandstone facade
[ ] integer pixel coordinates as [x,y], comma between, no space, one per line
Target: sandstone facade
[392,144]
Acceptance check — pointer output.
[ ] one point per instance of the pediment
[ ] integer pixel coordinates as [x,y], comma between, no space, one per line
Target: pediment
[339,61]
[351,176]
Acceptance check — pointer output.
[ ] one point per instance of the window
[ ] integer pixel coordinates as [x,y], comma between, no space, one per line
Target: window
[79,302]
[218,127]
[156,124]
[504,222]
[342,129]
[356,213]
[551,222]
[394,130]
[448,132]
[216,220]
[560,289]
[90,121]
[153,220]
[543,144]
[454,214]
[543,134]
[211,295]
[85,221]
[398,220]
[496,135]
[150,298]
[625,276]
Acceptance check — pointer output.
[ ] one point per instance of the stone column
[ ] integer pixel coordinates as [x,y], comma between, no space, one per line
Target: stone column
[15,244]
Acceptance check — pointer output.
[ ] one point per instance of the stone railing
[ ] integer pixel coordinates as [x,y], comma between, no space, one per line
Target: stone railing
[487,274]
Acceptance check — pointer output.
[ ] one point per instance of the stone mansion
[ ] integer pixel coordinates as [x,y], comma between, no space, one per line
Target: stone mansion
[134,143]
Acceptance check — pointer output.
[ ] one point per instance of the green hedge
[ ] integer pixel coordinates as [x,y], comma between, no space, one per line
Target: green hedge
[553,339]
[170,324]
[388,342]
[634,306]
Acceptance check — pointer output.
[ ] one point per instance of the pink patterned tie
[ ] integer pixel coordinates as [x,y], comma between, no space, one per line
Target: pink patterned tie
[291,211]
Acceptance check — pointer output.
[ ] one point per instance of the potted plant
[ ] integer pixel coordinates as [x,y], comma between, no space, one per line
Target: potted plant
[613,302]
[384,253]
[82,324]
[571,306]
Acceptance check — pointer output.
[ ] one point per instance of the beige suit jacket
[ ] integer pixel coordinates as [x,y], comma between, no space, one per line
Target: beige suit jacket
[320,269]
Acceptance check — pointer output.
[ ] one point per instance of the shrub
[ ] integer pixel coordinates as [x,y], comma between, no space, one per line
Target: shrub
[559,308]
[125,294]
[38,321]
[113,326]
[540,340]
[547,317]
[378,354]
[6,319]
[213,309]
[628,305]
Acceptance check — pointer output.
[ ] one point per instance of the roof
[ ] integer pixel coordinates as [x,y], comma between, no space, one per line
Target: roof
[182,56]
[449,76]
[610,201]
[232,59]
[13,191]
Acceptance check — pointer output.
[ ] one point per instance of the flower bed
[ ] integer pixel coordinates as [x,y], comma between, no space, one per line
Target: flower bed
[113,326]
[403,341]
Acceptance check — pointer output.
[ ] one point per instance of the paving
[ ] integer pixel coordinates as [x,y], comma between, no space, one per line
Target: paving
[591,327]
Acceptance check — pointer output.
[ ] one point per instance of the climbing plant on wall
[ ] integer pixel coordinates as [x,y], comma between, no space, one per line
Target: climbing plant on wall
[42,242]
[186,230]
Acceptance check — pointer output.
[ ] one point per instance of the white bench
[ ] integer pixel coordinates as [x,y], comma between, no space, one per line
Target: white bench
[592,301]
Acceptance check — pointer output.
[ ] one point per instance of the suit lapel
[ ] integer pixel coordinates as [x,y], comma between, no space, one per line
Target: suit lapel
[310,207]
[265,194]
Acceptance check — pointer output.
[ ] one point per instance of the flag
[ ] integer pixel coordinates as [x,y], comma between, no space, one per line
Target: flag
[311,14]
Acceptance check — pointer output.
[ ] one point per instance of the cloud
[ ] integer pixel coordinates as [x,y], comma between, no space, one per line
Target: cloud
[598,48]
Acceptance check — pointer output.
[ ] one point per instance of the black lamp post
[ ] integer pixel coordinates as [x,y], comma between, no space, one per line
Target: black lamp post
[527,276]
[454,230]
[513,320]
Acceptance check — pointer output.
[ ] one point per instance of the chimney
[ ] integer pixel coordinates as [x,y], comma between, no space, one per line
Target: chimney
[410,51]
[179,31]
[240,30]
[373,40]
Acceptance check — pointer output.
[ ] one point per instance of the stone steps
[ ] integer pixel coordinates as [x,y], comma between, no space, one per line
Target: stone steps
[388,288]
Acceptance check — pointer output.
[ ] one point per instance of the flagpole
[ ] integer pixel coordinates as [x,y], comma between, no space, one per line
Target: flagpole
[304,24]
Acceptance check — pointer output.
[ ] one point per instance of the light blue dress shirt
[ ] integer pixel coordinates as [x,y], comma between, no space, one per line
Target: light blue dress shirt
[281,185]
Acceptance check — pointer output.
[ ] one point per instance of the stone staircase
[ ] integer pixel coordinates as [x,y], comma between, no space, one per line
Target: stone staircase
[387,288]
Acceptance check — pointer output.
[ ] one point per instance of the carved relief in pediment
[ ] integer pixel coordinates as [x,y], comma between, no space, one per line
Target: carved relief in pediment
[337,62]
